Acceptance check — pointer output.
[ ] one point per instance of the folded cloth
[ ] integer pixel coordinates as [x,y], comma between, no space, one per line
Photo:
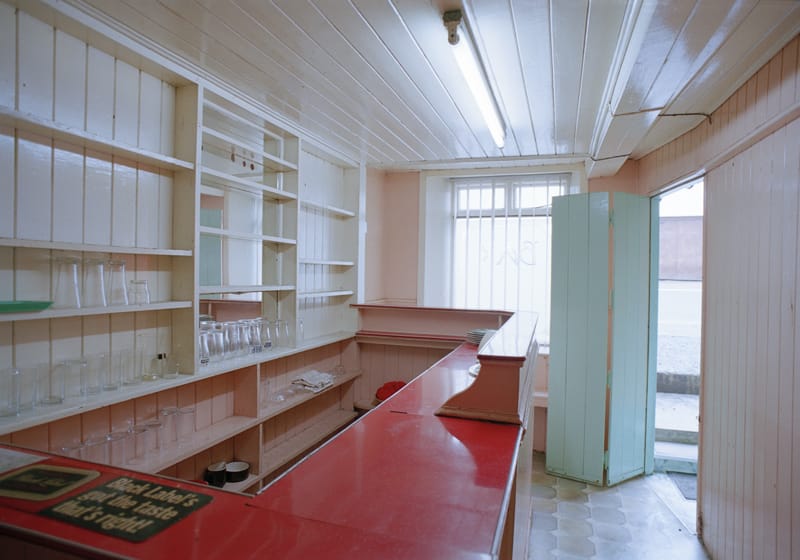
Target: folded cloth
[313,380]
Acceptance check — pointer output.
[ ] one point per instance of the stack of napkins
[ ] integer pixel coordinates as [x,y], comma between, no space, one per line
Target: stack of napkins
[313,380]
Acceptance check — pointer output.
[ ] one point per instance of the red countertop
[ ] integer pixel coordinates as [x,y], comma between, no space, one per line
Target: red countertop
[398,483]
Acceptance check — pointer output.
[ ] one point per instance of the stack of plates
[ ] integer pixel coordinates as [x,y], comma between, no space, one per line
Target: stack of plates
[476,335]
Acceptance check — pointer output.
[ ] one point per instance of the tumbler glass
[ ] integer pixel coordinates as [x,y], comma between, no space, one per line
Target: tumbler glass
[117,284]
[203,348]
[96,449]
[51,383]
[94,374]
[185,425]
[9,391]
[169,431]
[125,363]
[266,335]
[139,292]
[66,293]
[111,377]
[90,377]
[94,283]
[118,447]
[232,340]
[74,450]
[29,386]
[254,331]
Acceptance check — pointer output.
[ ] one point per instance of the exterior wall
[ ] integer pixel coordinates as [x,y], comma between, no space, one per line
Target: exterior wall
[749,463]
[680,248]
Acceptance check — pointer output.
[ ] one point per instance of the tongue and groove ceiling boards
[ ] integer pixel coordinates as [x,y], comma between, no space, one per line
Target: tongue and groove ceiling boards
[595,81]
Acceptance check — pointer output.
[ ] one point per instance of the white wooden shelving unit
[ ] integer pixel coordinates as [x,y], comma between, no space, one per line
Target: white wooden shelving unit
[112,156]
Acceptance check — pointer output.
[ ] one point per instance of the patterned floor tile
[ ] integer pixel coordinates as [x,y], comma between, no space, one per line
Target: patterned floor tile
[575,521]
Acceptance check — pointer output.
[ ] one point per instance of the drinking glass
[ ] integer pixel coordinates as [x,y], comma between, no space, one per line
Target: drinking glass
[266,335]
[139,292]
[203,348]
[66,293]
[232,341]
[254,332]
[94,283]
[125,363]
[243,327]
[118,444]
[9,392]
[185,424]
[94,374]
[96,449]
[28,386]
[169,419]
[117,284]
[52,383]
[110,376]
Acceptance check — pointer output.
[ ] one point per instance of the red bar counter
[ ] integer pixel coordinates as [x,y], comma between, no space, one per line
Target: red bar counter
[401,482]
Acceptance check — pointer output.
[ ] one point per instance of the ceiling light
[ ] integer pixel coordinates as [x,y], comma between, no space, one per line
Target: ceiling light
[470,65]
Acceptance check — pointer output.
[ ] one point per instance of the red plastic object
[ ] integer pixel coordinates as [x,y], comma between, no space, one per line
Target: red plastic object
[388,389]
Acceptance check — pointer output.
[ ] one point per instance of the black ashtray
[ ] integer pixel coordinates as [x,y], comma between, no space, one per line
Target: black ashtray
[215,474]
[236,471]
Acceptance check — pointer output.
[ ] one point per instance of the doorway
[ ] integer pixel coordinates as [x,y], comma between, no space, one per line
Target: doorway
[680,289]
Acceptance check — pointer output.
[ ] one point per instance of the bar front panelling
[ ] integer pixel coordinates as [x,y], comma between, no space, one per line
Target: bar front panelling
[381,363]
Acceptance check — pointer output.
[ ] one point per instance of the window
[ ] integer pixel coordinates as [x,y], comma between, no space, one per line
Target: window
[501,243]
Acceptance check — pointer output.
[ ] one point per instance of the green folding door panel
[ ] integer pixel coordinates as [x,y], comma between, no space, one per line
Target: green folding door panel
[578,337]
[627,415]
[598,337]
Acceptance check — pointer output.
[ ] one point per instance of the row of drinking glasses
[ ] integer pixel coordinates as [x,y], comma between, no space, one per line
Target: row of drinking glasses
[174,427]
[233,339]
[41,385]
[103,283]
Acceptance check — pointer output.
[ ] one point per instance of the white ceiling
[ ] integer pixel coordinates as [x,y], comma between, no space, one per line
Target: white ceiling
[587,80]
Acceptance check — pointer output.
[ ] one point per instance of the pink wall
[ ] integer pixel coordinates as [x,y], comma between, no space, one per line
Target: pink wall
[373,244]
[749,456]
[626,180]
[392,244]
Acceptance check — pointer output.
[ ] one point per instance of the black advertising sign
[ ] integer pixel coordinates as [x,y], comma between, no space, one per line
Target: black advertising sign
[128,508]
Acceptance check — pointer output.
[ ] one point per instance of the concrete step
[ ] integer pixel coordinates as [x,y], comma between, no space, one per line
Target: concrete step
[681,383]
[676,436]
[675,457]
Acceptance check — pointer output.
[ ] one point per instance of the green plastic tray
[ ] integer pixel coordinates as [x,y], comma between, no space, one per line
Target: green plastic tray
[23,306]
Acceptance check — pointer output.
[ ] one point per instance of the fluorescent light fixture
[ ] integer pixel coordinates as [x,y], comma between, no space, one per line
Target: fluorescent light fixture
[470,65]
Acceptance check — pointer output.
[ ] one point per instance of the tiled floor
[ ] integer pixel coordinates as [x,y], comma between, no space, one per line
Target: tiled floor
[639,520]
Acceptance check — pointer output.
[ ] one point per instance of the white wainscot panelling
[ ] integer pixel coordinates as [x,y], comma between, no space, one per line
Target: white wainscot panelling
[67,194]
[70,88]
[165,204]
[97,199]
[35,66]
[8,55]
[126,104]
[149,112]
[100,93]
[31,274]
[33,193]
[6,273]
[123,204]
[147,210]
[7,181]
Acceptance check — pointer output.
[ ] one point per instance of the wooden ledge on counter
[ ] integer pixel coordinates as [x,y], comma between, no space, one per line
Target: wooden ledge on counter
[502,390]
